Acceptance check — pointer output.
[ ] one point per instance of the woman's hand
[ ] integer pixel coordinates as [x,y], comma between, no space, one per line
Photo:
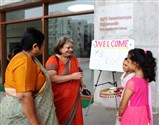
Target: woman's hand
[77,75]
[83,86]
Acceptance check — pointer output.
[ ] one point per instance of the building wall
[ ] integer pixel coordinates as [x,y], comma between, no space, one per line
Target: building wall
[145,33]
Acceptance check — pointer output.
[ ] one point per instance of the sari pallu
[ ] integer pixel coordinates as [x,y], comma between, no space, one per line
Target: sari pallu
[11,112]
[66,95]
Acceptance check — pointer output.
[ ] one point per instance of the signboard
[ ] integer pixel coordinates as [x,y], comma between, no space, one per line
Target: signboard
[109,54]
[115,20]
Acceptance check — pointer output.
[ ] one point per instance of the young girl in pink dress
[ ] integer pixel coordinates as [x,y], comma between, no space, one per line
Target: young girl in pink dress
[134,107]
[128,74]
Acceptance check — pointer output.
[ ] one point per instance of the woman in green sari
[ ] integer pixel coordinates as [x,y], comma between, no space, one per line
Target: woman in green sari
[29,99]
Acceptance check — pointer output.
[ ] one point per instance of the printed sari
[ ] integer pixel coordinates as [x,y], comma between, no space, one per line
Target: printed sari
[11,112]
[67,94]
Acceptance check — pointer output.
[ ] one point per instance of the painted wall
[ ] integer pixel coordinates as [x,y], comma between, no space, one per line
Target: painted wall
[142,27]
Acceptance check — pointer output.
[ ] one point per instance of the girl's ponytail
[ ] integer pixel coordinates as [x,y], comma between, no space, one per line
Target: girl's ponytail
[146,62]
[149,67]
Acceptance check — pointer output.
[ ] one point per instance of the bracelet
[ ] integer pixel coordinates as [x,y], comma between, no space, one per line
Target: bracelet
[69,77]
[119,117]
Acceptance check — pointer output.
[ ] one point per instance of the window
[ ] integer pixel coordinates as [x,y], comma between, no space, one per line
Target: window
[24,14]
[79,28]
[15,32]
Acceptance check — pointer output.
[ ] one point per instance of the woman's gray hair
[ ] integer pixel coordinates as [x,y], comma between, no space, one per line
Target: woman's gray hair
[60,43]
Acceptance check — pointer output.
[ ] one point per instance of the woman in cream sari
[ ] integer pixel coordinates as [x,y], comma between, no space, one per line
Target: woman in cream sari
[29,99]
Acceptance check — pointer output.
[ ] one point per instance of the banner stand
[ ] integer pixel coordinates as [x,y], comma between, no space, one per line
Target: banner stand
[114,83]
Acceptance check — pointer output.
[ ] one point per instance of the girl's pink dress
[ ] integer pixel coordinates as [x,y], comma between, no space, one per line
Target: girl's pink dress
[138,109]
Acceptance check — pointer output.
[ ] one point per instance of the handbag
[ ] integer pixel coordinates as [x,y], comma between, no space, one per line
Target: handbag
[86,92]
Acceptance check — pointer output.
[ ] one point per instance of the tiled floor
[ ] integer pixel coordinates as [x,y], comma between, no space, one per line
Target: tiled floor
[99,115]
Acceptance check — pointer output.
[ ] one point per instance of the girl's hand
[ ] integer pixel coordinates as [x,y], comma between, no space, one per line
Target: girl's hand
[118,93]
[119,117]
